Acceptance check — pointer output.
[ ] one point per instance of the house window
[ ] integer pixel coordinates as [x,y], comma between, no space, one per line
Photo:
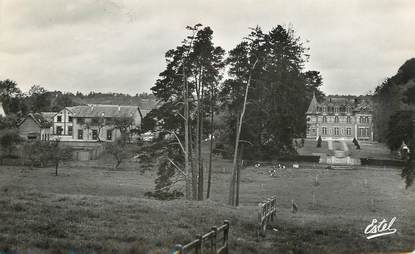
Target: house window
[80,134]
[336,131]
[59,119]
[324,119]
[109,134]
[324,130]
[336,119]
[70,118]
[94,134]
[70,130]
[366,119]
[349,131]
[59,130]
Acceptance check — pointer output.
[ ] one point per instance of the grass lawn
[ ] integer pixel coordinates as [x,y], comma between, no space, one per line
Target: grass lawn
[94,209]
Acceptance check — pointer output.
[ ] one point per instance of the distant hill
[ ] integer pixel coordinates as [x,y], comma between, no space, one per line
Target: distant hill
[144,101]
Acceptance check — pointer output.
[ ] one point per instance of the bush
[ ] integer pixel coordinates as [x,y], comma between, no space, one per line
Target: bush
[9,139]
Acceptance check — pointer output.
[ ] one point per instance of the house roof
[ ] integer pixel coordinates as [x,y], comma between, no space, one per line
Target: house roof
[38,119]
[99,110]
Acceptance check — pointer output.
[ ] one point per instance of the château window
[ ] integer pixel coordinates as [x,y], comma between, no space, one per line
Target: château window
[336,119]
[324,130]
[349,131]
[349,119]
[324,119]
[336,131]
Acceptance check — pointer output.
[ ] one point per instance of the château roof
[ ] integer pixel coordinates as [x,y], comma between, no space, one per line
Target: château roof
[312,109]
[356,104]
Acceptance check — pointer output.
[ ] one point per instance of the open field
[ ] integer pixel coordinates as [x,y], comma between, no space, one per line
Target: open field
[99,210]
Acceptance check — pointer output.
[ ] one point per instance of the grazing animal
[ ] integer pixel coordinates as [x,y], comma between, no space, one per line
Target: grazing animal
[294,208]
[6,189]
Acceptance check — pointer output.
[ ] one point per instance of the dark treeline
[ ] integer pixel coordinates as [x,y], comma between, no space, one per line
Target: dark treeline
[395,115]
[395,106]
[38,99]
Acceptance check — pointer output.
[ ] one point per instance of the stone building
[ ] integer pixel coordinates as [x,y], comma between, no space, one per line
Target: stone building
[340,117]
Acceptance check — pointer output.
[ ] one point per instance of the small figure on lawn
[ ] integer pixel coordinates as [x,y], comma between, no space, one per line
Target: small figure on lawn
[319,140]
[356,143]
[404,151]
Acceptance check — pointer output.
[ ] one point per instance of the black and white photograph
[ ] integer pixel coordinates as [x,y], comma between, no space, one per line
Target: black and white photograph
[207,127]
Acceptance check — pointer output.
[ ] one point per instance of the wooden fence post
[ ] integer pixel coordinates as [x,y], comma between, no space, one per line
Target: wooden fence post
[226,237]
[200,237]
[213,240]
[178,249]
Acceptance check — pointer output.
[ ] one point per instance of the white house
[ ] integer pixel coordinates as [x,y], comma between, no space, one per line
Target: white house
[93,122]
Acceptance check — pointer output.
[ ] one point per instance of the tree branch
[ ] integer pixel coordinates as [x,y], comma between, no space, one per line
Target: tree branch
[177,167]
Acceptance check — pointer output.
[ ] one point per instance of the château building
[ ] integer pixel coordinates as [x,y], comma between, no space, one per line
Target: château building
[340,117]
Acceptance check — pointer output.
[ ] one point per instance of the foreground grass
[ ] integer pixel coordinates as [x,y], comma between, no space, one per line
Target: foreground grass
[92,210]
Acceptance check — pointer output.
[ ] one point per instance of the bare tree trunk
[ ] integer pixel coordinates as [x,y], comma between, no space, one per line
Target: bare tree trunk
[200,119]
[231,199]
[238,174]
[56,168]
[186,135]
[211,144]
[193,168]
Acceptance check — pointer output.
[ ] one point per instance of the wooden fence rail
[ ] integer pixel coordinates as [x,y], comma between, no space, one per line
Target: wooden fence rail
[207,243]
[267,212]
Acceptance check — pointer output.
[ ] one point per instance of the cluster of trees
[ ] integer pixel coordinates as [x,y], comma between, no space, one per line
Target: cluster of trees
[37,99]
[395,114]
[263,102]
[38,153]
[44,153]
[395,107]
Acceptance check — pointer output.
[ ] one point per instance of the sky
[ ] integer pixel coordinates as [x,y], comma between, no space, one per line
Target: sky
[119,46]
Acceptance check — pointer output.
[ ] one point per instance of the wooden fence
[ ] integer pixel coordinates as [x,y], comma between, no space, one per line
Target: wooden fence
[267,212]
[207,243]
